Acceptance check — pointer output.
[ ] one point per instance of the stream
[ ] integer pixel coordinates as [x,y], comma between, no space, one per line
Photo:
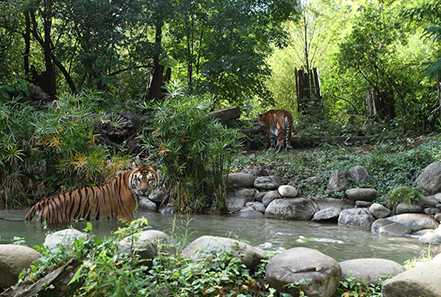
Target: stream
[340,243]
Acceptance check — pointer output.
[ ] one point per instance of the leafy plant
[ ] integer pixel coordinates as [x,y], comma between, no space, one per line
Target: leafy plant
[195,151]
[407,194]
[352,287]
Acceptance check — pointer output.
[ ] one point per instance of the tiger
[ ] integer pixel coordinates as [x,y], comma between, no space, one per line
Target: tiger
[279,125]
[118,199]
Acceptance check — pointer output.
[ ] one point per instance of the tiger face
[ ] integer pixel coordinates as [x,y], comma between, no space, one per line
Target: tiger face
[142,179]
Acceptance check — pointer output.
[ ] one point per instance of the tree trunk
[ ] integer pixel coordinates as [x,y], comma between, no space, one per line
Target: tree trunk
[156,78]
[438,87]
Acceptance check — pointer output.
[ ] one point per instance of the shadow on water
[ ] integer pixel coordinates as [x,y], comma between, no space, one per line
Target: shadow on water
[340,243]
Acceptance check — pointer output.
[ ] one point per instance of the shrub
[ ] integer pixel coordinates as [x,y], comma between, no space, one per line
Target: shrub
[195,151]
[407,194]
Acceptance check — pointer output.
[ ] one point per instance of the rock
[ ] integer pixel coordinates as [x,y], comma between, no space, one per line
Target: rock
[337,182]
[378,224]
[258,206]
[405,208]
[431,211]
[322,273]
[429,200]
[65,237]
[430,238]
[372,270]
[287,191]
[259,171]
[394,229]
[358,174]
[364,194]
[323,203]
[301,209]
[327,214]
[240,180]
[267,182]
[415,221]
[147,205]
[437,197]
[250,214]
[429,179]
[157,195]
[269,197]
[259,196]
[422,280]
[203,247]
[356,218]
[13,259]
[168,209]
[379,211]
[437,217]
[236,200]
[362,204]
[147,244]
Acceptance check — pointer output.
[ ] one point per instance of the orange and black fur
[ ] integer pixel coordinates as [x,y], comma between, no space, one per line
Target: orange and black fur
[279,125]
[117,199]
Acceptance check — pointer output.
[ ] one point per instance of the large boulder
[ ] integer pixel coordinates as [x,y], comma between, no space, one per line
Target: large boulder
[337,182]
[407,208]
[372,270]
[363,194]
[323,203]
[301,209]
[147,244]
[297,265]
[65,237]
[13,259]
[240,180]
[358,218]
[379,211]
[422,280]
[287,191]
[237,199]
[415,221]
[326,214]
[270,182]
[204,246]
[358,174]
[429,179]
[269,197]
[147,205]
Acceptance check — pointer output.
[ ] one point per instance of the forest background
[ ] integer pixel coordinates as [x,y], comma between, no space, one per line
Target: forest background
[379,65]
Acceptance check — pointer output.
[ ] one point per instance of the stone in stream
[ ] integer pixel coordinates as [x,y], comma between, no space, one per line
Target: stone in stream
[315,273]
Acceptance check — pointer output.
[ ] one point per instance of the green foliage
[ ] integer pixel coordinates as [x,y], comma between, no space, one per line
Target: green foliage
[43,151]
[352,287]
[407,194]
[195,150]
[103,270]
[389,164]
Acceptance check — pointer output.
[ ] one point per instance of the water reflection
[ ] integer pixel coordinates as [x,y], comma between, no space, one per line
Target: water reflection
[340,243]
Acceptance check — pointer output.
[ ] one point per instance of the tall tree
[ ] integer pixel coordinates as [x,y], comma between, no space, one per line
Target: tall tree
[369,52]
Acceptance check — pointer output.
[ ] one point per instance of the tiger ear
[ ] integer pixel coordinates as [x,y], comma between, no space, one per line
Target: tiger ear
[134,165]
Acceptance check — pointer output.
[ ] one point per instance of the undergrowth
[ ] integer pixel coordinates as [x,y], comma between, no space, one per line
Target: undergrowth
[389,165]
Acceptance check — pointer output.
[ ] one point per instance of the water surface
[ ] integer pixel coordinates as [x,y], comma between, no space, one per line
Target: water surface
[340,243]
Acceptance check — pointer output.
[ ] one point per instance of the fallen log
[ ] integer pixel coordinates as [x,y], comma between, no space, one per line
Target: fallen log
[226,114]
[29,288]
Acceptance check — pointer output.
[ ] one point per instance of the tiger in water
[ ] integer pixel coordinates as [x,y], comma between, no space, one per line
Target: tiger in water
[116,200]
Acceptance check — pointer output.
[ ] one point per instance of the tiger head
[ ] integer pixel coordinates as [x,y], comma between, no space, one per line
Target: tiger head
[142,179]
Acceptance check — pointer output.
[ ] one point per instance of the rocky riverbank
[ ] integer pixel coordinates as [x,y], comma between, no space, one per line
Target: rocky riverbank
[313,272]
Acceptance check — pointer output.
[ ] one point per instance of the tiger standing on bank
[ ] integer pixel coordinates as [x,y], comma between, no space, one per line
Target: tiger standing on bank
[279,126]
[118,199]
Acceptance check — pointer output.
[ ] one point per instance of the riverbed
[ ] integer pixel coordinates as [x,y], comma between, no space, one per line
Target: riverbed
[340,243]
